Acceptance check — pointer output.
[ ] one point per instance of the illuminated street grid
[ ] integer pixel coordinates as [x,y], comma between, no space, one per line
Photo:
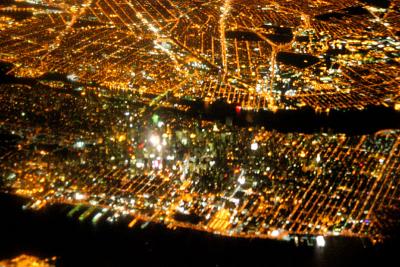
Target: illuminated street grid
[342,54]
[108,152]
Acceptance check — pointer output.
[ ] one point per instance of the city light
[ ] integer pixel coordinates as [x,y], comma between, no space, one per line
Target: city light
[155,140]
[275,233]
[72,77]
[79,196]
[320,241]
[79,144]
[254,146]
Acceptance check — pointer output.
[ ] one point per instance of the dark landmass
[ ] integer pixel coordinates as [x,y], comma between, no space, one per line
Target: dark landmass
[341,14]
[17,15]
[279,34]
[377,3]
[243,36]
[296,60]
[190,218]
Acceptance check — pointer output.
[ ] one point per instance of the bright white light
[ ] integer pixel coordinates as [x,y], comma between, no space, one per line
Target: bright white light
[241,180]
[79,144]
[160,124]
[139,164]
[275,233]
[320,241]
[72,77]
[79,196]
[318,158]
[290,92]
[155,140]
[156,164]
[235,200]
[258,87]
[254,146]
[153,29]
[11,176]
